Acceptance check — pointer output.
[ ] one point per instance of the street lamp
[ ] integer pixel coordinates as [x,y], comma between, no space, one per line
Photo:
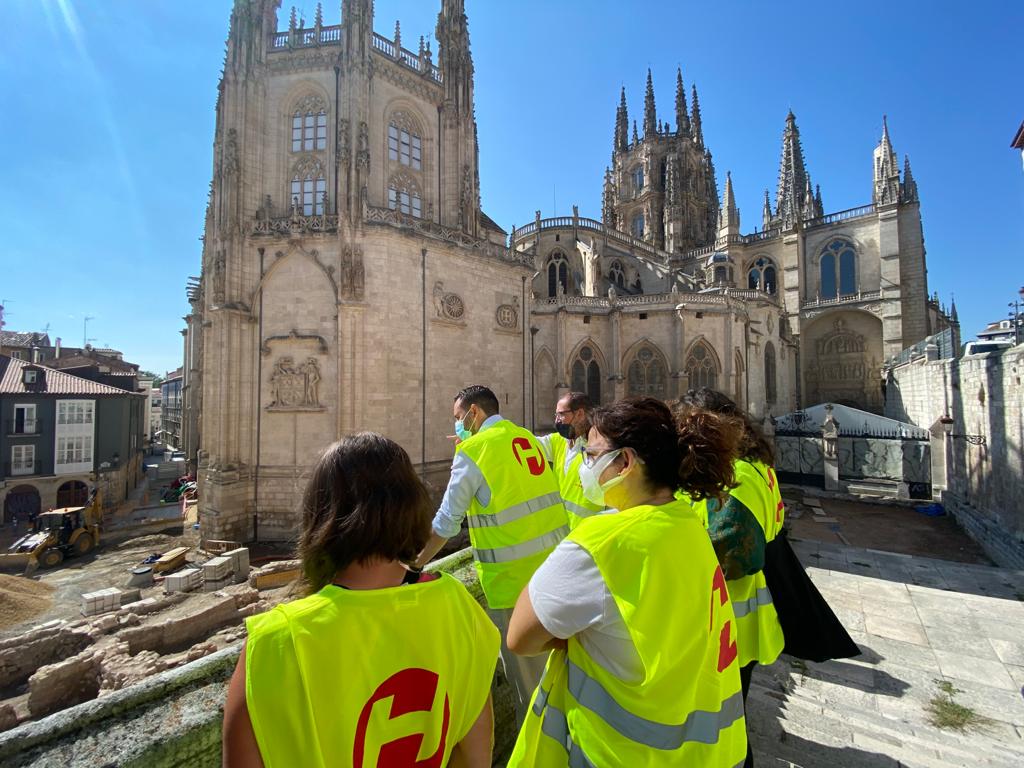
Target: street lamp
[1017,315]
[947,426]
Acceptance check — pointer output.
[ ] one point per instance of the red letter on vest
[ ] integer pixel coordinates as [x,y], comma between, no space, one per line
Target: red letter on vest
[533,460]
[727,650]
[411,690]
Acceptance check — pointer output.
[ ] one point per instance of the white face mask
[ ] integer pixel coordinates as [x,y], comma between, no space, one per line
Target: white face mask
[593,489]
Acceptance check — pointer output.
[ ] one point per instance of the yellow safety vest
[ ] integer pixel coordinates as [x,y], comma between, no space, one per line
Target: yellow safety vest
[660,568]
[369,677]
[525,518]
[567,470]
[760,634]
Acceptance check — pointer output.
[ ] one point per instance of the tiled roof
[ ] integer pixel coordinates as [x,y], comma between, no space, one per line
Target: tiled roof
[56,382]
[92,361]
[19,339]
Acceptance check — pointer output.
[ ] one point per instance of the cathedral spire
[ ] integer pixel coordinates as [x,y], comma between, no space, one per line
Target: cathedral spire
[886,170]
[636,136]
[621,124]
[792,175]
[766,212]
[698,133]
[909,185]
[454,58]
[682,117]
[650,117]
[820,209]
[728,214]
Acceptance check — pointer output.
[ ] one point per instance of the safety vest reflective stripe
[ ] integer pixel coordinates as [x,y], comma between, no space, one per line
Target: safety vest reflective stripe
[700,726]
[745,607]
[576,509]
[556,726]
[523,549]
[515,512]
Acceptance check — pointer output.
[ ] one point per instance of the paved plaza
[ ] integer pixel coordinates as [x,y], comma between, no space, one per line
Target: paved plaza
[919,621]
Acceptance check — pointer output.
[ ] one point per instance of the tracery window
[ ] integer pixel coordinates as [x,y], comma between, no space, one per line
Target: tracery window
[309,125]
[404,142]
[838,269]
[558,273]
[701,369]
[586,374]
[404,195]
[309,188]
[616,275]
[638,178]
[638,226]
[770,386]
[646,375]
[762,276]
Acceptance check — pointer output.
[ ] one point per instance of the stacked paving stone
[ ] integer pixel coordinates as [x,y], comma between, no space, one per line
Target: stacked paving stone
[101,601]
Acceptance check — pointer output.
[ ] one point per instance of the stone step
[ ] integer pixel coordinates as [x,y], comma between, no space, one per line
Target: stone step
[786,718]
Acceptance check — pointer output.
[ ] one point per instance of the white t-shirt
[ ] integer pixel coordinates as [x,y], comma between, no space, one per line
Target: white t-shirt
[570,599]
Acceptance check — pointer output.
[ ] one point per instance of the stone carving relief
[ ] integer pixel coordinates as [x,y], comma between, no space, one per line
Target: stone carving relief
[311,103]
[352,281]
[295,387]
[448,306]
[344,142]
[231,153]
[363,154]
[842,370]
[507,316]
[218,279]
[829,431]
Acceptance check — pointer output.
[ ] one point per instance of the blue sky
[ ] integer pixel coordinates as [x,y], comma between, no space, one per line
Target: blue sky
[107,127]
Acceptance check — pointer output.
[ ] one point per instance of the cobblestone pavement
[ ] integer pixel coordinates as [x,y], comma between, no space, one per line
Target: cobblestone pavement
[919,622]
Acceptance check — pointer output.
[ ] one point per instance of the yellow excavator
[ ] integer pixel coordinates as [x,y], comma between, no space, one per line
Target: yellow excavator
[55,535]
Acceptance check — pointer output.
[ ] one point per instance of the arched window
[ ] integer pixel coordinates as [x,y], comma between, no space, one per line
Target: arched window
[638,179]
[721,275]
[586,374]
[838,268]
[558,273]
[309,188]
[309,125]
[404,195]
[616,275]
[701,369]
[770,385]
[404,142]
[761,276]
[638,226]
[646,375]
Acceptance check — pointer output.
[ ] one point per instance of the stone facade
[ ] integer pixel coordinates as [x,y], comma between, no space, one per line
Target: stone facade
[981,480]
[351,281]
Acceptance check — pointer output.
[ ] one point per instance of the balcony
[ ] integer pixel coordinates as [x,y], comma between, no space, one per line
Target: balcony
[23,468]
[23,427]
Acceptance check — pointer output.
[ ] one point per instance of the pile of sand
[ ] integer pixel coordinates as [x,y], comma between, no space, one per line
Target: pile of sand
[21,599]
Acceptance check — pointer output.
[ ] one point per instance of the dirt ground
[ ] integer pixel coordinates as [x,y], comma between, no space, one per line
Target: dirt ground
[109,566]
[885,527]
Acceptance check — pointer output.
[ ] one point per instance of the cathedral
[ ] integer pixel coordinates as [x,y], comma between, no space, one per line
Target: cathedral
[351,281]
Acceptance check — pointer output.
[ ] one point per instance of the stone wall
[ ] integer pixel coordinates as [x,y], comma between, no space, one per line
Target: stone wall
[982,483]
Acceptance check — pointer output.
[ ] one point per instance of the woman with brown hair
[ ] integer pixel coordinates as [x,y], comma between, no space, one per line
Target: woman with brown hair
[378,663]
[634,606]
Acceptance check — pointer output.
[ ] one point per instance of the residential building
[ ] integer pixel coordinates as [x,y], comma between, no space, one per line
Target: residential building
[61,435]
[24,346]
[171,410]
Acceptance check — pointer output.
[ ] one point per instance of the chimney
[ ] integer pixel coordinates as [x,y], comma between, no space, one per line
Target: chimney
[57,349]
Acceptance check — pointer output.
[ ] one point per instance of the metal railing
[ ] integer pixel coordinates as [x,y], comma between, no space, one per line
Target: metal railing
[832,218]
[943,340]
[25,427]
[23,468]
[849,298]
[306,38]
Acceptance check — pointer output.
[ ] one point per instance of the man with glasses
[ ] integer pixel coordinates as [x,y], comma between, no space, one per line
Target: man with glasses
[565,450]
